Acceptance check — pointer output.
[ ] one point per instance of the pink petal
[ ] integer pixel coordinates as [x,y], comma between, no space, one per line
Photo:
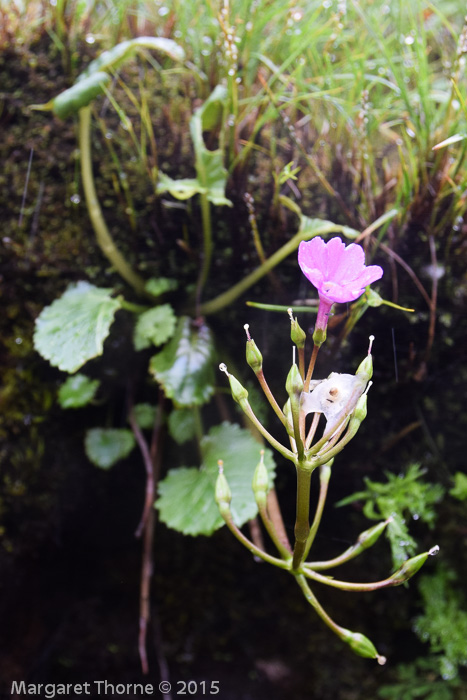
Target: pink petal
[335,254]
[370,274]
[351,264]
[312,254]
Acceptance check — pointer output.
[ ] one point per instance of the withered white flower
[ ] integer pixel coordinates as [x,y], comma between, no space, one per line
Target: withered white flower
[334,396]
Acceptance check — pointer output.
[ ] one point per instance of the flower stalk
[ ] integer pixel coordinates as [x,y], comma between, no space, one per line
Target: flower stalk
[340,400]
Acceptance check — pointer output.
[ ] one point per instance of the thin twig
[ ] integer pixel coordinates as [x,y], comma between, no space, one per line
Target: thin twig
[152,459]
[409,271]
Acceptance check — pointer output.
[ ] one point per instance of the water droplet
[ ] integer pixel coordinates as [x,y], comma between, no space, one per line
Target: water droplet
[75,199]
[409,40]
[327,4]
[90,39]
[410,132]
[18,341]
[163,11]
[416,516]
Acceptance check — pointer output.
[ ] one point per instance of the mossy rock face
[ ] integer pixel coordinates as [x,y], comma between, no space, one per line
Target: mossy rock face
[53,499]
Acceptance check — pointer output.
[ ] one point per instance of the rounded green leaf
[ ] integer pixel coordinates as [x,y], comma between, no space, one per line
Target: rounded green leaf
[145,415]
[187,495]
[154,327]
[159,285]
[185,367]
[105,446]
[181,424]
[77,391]
[72,329]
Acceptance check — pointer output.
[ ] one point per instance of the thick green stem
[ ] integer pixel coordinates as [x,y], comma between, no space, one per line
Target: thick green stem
[302,524]
[103,237]
[207,247]
[215,305]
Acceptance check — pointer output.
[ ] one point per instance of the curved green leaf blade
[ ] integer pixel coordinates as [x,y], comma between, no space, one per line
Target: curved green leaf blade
[186,496]
[77,391]
[114,57]
[210,171]
[154,327]
[185,367]
[211,176]
[79,95]
[185,188]
[105,446]
[73,328]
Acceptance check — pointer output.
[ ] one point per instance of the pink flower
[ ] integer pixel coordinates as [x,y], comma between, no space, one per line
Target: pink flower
[338,272]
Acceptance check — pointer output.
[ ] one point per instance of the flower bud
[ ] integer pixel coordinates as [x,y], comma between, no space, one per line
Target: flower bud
[297,333]
[223,495]
[260,483]
[362,646]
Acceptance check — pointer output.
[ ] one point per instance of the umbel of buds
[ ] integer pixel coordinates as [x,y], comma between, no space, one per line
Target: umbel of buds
[319,418]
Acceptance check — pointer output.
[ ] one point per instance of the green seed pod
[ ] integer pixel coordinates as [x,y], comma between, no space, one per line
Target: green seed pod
[368,538]
[294,383]
[297,333]
[260,484]
[253,356]
[362,646]
[239,392]
[223,494]
[411,566]
[360,410]
[319,336]
[365,370]
[287,410]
